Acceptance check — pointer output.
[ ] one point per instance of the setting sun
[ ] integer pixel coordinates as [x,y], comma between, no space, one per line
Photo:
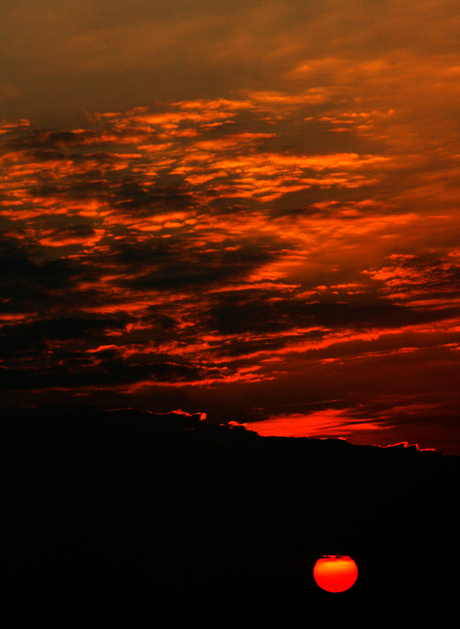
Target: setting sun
[335,573]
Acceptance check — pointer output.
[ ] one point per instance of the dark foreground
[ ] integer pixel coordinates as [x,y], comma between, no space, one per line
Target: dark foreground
[160,519]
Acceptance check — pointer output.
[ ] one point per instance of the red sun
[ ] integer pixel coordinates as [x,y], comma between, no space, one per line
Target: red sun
[335,573]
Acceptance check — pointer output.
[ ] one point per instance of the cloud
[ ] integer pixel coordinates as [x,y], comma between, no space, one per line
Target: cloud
[278,245]
[323,423]
[233,317]
[130,53]
[425,281]
[114,374]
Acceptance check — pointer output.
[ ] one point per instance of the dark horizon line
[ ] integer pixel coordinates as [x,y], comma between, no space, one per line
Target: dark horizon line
[196,420]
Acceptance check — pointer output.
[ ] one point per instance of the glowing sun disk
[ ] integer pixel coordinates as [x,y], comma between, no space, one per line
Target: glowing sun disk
[335,573]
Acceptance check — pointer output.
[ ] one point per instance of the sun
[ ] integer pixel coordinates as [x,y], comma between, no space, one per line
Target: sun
[335,573]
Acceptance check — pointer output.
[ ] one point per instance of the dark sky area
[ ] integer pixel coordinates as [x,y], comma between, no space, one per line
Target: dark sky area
[244,209]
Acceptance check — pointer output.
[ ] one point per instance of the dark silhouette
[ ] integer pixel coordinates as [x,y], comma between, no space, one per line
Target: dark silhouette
[164,517]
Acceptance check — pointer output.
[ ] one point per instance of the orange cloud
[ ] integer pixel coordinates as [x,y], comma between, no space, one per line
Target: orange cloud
[312,96]
[57,239]
[324,423]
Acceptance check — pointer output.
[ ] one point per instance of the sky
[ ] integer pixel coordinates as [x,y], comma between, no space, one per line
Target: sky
[245,209]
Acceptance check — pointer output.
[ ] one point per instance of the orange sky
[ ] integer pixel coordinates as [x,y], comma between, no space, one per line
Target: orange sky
[264,228]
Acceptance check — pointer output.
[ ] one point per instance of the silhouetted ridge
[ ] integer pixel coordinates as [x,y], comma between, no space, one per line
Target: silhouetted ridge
[128,510]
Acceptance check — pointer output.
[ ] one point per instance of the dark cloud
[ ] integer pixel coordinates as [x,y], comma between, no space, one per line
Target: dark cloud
[261,316]
[131,196]
[20,339]
[20,273]
[177,266]
[112,373]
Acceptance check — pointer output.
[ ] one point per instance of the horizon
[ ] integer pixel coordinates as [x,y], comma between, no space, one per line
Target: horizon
[245,210]
[198,421]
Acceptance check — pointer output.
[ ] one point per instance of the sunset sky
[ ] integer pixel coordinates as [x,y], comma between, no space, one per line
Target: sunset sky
[249,209]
